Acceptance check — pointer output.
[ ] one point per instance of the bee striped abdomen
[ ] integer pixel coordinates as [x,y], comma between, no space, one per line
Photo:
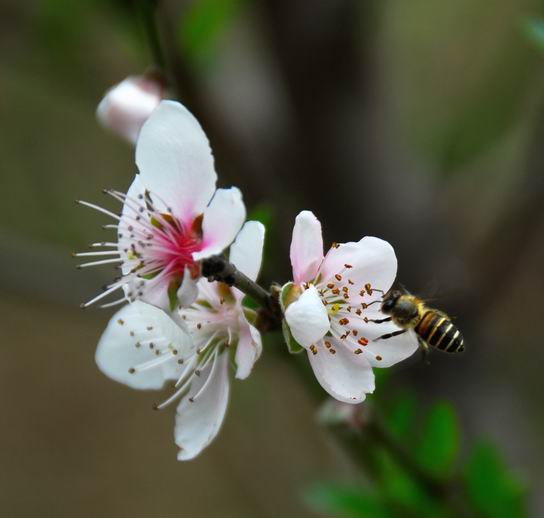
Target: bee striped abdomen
[438,331]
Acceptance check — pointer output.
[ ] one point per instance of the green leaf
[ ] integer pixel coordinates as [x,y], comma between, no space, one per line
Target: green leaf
[494,492]
[533,28]
[345,501]
[401,490]
[439,444]
[262,213]
[203,23]
[400,417]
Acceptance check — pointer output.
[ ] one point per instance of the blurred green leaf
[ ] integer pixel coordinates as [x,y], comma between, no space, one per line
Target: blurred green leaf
[439,444]
[533,27]
[494,492]
[401,415]
[202,25]
[345,501]
[401,490]
[263,213]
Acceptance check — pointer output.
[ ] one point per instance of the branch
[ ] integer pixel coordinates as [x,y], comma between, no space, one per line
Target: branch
[217,268]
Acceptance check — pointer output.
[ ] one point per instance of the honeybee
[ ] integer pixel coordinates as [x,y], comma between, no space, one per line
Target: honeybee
[432,327]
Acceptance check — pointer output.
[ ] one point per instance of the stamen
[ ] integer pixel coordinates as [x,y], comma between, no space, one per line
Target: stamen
[208,379]
[99,263]
[99,209]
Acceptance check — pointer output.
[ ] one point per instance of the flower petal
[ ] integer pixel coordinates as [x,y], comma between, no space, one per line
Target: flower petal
[307,317]
[344,375]
[383,353]
[306,247]
[198,422]
[246,252]
[127,105]
[223,219]
[371,260]
[248,350]
[125,345]
[175,161]
[188,291]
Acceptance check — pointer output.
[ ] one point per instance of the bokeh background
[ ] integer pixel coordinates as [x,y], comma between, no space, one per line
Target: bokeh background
[421,122]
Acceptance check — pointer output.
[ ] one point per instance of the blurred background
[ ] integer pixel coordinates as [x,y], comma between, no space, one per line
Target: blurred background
[419,122]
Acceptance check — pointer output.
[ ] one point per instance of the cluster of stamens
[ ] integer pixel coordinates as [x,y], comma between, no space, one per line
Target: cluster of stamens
[336,296]
[213,339]
[153,246]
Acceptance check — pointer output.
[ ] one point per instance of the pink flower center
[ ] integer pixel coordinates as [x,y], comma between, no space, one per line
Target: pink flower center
[172,246]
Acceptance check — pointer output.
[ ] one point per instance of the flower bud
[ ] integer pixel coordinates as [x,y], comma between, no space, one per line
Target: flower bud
[127,105]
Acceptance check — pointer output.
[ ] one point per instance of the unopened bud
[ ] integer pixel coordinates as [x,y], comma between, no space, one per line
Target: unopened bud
[127,105]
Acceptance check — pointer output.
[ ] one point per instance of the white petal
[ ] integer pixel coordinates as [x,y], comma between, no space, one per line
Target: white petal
[344,375]
[142,323]
[175,161]
[126,106]
[246,252]
[188,291]
[372,260]
[198,422]
[223,219]
[307,318]
[306,247]
[248,350]
[383,353]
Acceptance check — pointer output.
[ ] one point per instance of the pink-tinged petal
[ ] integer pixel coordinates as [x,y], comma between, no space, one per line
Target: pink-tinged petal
[306,247]
[126,106]
[175,161]
[248,350]
[222,220]
[371,260]
[208,291]
[344,375]
[246,252]
[124,353]
[188,291]
[153,291]
[199,421]
[382,353]
[307,318]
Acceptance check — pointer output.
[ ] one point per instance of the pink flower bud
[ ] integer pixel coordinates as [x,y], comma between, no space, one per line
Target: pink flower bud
[127,105]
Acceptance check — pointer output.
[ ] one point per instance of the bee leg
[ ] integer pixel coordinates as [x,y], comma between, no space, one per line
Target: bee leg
[381,320]
[390,335]
[425,352]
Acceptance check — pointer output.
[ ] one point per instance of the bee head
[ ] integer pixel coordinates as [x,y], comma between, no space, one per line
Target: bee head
[389,301]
